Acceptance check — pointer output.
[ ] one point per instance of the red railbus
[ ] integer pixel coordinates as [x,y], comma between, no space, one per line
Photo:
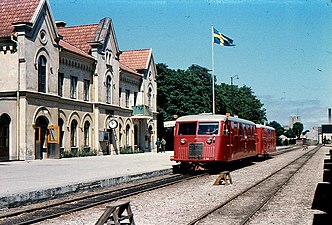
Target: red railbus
[206,139]
[266,140]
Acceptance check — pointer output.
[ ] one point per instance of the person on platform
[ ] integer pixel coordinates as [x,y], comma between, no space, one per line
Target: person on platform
[158,143]
[163,145]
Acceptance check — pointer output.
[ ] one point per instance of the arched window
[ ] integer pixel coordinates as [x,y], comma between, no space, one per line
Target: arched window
[4,137]
[42,74]
[127,134]
[136,135]
[86,134]
[60,123]
[150,97]
[109,89]
[120,135]
[73,133]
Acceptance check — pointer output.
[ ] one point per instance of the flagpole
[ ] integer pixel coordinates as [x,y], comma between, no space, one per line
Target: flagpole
[213,99]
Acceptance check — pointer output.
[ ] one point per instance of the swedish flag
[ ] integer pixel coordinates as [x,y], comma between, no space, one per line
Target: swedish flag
[221,39]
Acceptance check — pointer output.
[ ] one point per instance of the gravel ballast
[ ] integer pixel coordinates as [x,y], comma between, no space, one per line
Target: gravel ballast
[180,203]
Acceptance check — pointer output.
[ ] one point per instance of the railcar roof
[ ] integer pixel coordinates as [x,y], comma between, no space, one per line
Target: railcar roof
[264,126]
[212,117]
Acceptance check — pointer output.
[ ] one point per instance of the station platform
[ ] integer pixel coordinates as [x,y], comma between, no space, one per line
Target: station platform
[26,181]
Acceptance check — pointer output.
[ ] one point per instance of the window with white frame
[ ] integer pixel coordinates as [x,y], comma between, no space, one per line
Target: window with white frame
[135,98]
[109,89]
[120,92]
[87,134]
[120,135]
[73,133]
[150,97]
[42,74]
[73,87]
[60,84]
[127,98]
[127,134]
[86,91]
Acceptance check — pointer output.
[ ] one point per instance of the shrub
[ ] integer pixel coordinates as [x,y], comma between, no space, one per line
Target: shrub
[75,152]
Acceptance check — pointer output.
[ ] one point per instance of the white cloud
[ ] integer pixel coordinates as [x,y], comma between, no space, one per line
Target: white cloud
[312,112]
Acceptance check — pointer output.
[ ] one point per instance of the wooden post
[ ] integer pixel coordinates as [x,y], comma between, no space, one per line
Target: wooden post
[114,214]
[223,178]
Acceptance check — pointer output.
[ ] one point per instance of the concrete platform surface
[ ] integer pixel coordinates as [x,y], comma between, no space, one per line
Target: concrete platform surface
[24,181]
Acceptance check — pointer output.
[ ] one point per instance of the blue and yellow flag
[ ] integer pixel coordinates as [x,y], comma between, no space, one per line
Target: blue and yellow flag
[221,39]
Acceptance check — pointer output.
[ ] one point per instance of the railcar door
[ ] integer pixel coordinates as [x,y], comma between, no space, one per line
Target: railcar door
[228,134]
[242,141]
[231,139]
[235,140]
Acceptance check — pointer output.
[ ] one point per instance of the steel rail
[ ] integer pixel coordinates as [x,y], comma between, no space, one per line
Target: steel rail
[272,194]
[247,218]
[39,214]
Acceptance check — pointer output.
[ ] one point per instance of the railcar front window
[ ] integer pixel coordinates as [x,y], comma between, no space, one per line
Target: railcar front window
[187,129]
[208,128]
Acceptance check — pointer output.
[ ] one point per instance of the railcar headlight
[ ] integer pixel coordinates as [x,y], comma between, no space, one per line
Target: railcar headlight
[183,141]
[209,141]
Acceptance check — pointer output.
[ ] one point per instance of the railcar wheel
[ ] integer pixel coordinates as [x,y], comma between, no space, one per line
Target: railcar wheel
[184,167]
[189,167]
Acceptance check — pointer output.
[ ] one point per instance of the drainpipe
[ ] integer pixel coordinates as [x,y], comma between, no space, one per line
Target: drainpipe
[17,99]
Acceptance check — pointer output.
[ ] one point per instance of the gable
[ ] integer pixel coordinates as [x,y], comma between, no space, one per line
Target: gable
[79,36]
[12,12]
[136,59]
[23,14]
[105,36]
[83,36]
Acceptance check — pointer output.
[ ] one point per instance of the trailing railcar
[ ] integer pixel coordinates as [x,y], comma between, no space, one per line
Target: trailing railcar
[206,139]
[266,140]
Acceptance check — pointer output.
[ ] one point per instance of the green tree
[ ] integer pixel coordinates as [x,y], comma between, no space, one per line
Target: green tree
[297,129]
[183,92]
[241,101]
[290,133]
[279,129]
[186,92]
[248,106]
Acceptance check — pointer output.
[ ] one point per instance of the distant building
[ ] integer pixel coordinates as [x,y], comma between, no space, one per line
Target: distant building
[292,120]
[286,127]
[313,134]
[68,89]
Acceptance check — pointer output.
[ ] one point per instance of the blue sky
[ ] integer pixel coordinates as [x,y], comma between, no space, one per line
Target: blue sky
[283,47]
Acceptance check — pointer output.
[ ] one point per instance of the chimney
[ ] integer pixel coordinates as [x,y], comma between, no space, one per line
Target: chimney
[329,116]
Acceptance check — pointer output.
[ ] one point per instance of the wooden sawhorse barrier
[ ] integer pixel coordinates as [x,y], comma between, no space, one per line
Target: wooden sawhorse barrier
[114,214]
[223,178]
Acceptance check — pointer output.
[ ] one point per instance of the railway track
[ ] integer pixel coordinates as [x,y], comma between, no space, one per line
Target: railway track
[38,214]
[242,207]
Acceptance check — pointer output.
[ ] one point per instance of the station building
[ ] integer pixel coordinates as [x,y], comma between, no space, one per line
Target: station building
[70,89]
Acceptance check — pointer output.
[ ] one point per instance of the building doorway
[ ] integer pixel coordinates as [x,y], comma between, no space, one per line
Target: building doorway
[4,137]
[41,137]
[150,134]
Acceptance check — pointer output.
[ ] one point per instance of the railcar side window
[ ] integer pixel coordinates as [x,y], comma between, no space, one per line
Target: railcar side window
[208,128]
[235,128]
[187,129]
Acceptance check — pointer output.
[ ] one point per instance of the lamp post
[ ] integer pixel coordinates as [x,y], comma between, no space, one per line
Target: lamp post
[236,77]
